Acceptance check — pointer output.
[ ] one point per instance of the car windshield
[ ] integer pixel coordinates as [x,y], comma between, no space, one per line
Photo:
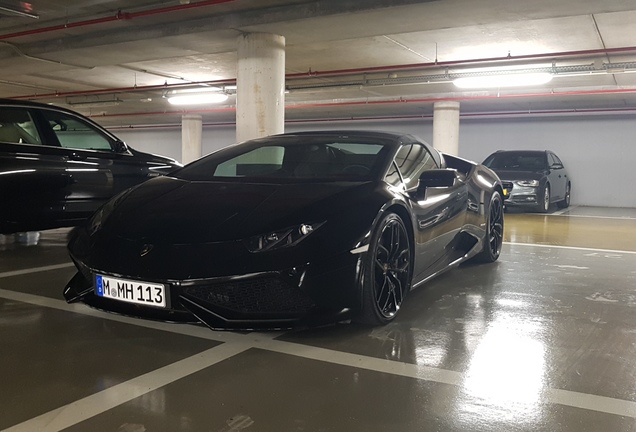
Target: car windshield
[517,161]
[291,158]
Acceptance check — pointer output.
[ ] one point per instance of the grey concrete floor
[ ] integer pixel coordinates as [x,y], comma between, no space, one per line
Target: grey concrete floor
[543,340]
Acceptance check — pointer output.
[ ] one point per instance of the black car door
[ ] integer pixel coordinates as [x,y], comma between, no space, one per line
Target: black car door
[34,181]
[89,161]
[439,215]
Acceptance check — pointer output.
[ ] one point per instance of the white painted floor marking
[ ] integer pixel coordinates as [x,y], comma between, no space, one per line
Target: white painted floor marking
[592,402]
[35,270]
[570,247]
[560,212]
[236,343]
[375,364]
[90,406]
[564,213]
[597,217]
[183,329]
[572,267]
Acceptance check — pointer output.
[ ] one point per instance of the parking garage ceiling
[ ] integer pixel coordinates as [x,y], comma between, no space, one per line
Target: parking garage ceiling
[117,61]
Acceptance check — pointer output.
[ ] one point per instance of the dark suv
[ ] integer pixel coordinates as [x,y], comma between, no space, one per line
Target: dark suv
[57,167]
[531,178]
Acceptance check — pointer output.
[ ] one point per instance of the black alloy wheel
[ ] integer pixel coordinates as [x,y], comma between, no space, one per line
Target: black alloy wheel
[387,273]
[566,200]
[544,205]
[494,231]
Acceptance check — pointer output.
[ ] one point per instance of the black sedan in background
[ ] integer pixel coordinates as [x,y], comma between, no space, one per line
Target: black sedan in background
[57,167]
[288,229]
[531,178]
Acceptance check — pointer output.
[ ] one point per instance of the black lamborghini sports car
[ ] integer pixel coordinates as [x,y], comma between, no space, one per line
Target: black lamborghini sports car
[286,230]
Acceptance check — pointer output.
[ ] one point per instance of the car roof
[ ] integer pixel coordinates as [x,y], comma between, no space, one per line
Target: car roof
[25,103]
[536,152]
[391,139]
[37,105]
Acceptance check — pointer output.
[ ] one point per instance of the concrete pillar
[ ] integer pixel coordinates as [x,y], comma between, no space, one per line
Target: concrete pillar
[191,131]
[446,127]
[260,82]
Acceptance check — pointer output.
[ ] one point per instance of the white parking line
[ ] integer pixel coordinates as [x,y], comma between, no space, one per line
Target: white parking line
[35,270]
[235,343]
[80,308]
[560,212]
[570,247]
[565,213]
[90,406]
[597,217]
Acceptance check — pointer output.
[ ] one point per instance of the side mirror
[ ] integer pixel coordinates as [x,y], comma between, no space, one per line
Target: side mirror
[435,178]
[556,166]
[120,147]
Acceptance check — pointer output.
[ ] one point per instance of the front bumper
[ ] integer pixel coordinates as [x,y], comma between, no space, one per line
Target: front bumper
[515,195]
[299,296]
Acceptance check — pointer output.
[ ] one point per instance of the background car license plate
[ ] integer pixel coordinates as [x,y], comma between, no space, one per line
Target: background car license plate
[131,291]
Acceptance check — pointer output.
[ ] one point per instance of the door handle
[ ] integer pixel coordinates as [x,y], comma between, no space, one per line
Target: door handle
[77,156]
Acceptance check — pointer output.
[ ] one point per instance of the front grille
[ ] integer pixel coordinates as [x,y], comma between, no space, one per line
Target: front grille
[269,295]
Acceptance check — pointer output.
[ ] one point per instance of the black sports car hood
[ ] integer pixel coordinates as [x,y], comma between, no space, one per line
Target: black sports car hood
[183,212]
[519,175]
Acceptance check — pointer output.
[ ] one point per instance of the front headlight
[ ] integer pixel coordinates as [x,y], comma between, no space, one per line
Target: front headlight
[528,183]
[282,238]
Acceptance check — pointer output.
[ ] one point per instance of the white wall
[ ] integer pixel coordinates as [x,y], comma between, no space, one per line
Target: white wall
[597,150]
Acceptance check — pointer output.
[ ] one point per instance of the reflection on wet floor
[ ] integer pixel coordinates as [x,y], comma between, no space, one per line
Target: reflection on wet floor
[544,339]
[587,227]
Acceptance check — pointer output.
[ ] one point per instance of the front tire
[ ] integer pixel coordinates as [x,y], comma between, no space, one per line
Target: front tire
[544,205]
[494,231]
[387,271]
[566,201]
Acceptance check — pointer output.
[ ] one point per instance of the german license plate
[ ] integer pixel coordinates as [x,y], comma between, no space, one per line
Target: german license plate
[131,291]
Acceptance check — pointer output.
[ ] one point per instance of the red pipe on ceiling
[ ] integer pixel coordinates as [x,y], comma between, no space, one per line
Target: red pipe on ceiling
[121,90]
[402,117]
[385,102]
[119,16]
[309,74]
[331,73]
[354,71]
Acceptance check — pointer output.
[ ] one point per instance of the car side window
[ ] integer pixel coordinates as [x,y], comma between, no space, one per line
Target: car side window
[555,160]
[412,160]
[393,175]
[17,126]
[261,161]
[74,133]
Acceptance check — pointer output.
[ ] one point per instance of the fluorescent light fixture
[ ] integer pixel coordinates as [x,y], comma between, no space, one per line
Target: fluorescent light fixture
[198,99]
[197,90]
[503,80]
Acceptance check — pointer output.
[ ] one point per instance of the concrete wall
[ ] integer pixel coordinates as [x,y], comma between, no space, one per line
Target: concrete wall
[598,151]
